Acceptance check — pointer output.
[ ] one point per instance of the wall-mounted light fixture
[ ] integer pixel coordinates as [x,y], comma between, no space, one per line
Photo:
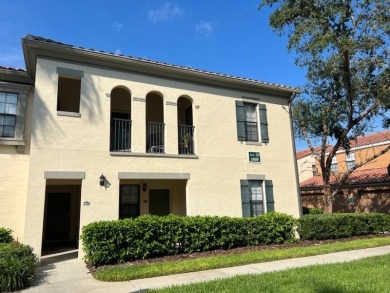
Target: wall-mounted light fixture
[102,180]
[144,187]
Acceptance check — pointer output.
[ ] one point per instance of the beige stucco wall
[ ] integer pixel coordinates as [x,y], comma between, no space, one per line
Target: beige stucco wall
[305,170]
[13,178]
[61,143]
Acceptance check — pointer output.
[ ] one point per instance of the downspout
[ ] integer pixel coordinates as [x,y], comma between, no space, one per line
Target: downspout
[295,154]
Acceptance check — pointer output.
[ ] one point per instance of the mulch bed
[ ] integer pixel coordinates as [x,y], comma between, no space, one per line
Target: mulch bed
[238,250]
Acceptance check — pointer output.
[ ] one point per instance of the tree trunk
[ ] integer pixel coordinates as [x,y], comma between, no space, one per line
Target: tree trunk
[328,199]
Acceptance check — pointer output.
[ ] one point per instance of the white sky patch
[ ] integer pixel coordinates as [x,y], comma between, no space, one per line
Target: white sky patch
[204,27]
[117,26]
[166,12]
[118,52]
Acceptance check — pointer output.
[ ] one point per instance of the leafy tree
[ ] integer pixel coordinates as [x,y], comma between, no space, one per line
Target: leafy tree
[344,45]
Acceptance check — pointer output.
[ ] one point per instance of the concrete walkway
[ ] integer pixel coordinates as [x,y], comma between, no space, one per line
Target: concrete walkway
[64,273]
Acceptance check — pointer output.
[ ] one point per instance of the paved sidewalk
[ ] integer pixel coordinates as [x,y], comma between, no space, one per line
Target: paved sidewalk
[66,274]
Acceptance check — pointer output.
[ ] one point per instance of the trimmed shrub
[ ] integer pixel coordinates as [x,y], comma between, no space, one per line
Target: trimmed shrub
[312,211]
[148,236]
[333,226]
[5,235]
[17,266]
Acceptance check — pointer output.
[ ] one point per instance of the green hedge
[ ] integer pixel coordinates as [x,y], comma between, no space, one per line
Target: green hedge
[319,227]
[17,266]
[152,236]
[5,235]
[312,211]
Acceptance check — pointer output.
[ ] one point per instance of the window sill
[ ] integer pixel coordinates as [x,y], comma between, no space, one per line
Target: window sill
[252,143]
[12,141]
[152,155]
[68,114]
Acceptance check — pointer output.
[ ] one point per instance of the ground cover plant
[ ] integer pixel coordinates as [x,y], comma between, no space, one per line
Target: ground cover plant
[367,275]
[17,264]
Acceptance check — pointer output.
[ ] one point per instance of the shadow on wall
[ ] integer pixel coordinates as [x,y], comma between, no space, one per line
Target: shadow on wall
[46,128]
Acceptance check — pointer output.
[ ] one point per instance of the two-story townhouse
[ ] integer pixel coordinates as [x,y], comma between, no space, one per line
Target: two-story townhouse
[112,136]
[367,188]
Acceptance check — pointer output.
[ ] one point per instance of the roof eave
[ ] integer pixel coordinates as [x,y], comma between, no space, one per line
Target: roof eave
[34,48]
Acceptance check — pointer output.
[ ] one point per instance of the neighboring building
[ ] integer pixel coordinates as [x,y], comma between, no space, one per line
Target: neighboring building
[91,136]
[367,188]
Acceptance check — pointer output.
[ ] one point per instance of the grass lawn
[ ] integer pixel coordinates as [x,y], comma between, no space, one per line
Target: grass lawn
[366,275]
[131,272]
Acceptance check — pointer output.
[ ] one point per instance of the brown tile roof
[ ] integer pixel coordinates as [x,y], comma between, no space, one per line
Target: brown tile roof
[360,141]
[147,61]
[12,68]
[369,176]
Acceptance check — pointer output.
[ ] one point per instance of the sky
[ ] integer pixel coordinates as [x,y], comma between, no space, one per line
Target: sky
[230,37]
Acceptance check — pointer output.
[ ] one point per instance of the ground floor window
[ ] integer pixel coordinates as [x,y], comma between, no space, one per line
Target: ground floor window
[129,197]
[256,197]
[252,198]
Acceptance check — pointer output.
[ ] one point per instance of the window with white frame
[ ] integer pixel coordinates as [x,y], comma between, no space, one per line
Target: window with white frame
[8,109]
[256,197]
[333,166]
[350,158]
[252,123]
[251,130]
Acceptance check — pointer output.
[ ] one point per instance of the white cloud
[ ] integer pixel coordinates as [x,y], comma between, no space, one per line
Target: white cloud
[165,12]
[204,27]
[117,26]
[118,52]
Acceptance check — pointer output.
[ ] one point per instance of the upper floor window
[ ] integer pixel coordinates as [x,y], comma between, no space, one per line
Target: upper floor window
[68,98]
[333,166]
[251,130]
[8,109]
[350,161]
[69,90]
[248,115]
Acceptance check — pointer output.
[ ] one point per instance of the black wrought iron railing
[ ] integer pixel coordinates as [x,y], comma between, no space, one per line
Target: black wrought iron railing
[121,135]
[155,137]
[186,140]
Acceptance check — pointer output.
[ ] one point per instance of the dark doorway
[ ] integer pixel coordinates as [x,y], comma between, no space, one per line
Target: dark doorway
[57,217]
[61,219]
[159,202]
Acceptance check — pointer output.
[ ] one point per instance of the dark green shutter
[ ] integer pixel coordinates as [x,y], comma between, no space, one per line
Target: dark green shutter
[245,198]
[240,116]
[269,194]
[263,123]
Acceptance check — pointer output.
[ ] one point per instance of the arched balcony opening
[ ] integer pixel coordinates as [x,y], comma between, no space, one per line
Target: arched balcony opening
[120,121]
[155,126]
[185,126]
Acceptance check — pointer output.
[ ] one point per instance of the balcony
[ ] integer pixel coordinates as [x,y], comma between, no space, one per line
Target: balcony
[155,137]
[120,135]
[186,140]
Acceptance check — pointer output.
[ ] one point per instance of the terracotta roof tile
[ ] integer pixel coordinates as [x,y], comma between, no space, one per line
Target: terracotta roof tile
[360,141]
[369,176]
[371,139]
